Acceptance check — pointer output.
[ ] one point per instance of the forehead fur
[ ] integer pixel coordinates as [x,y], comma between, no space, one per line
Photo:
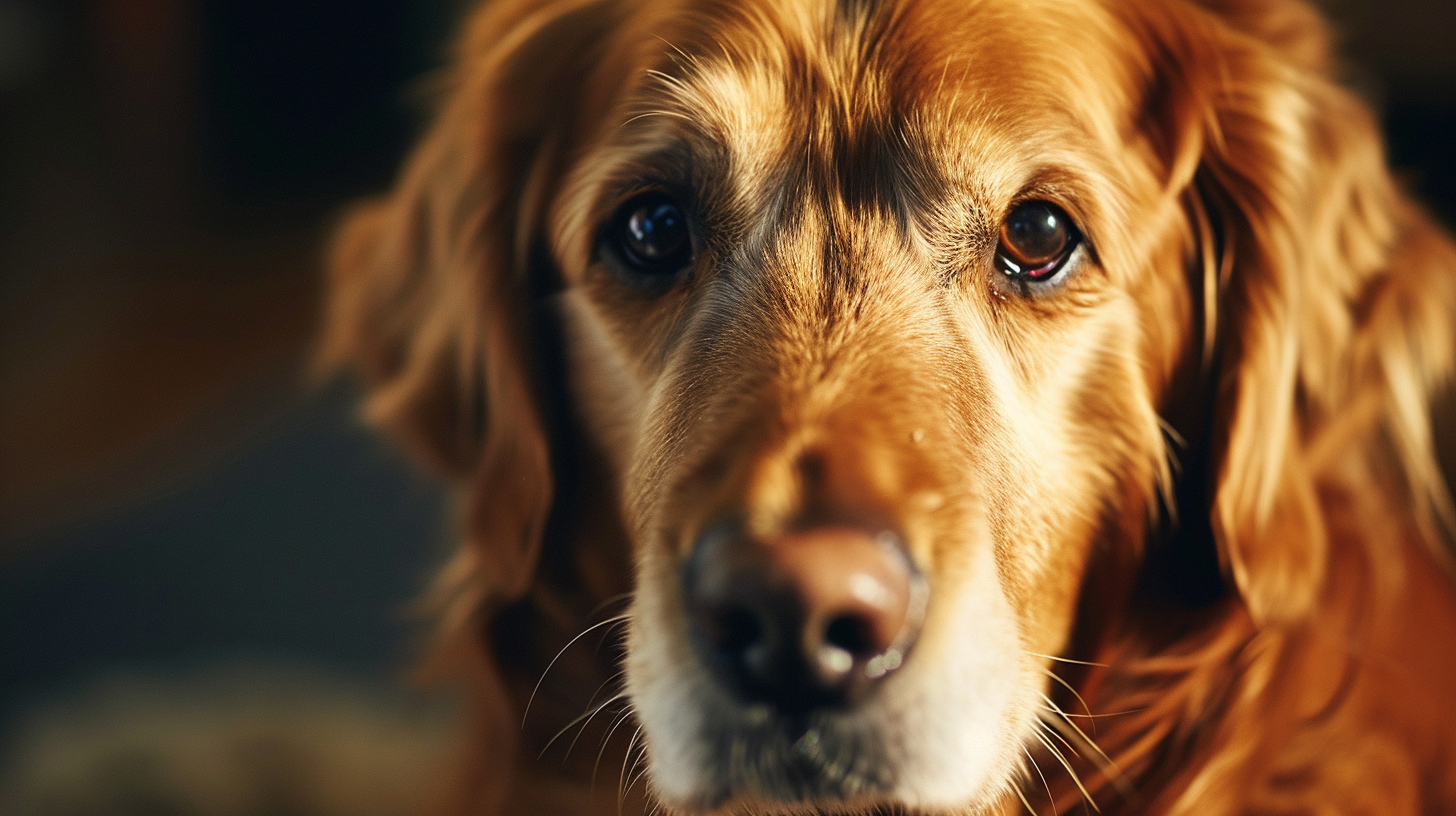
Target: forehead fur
[924,111]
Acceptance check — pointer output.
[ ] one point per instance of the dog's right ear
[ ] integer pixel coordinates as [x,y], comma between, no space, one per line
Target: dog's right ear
[429,293]
[1327,297]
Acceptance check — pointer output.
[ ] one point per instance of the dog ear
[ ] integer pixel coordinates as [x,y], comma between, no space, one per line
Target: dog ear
[429,293]
[1329,300]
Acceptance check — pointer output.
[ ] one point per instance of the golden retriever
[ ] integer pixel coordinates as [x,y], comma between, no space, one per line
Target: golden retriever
[981,406]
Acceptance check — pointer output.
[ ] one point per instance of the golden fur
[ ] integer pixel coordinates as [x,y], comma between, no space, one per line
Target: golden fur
[1182,505]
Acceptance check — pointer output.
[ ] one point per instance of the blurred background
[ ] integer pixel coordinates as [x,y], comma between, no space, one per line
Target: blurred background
[179,506]
[185,521]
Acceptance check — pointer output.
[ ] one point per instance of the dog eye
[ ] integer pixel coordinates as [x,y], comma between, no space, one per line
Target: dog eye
[651,236]
[1036,240]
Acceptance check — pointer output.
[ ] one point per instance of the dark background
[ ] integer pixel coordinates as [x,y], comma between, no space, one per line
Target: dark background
[172,491]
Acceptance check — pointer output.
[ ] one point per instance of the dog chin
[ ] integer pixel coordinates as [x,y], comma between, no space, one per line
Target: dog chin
[944,733]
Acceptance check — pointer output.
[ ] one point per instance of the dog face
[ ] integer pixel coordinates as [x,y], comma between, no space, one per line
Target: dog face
[873,312]
[869,269]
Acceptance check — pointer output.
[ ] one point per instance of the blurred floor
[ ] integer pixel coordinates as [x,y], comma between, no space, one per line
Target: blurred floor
[235,740]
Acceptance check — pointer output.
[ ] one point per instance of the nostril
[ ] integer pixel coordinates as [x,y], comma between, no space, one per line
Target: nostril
[852,634]
[737,629]
[741,641]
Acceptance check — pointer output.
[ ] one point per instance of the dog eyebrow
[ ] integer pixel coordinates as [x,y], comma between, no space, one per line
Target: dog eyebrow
[827,115]
[871,168]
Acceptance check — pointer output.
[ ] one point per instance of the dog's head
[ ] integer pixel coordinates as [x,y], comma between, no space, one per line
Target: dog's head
[888,319]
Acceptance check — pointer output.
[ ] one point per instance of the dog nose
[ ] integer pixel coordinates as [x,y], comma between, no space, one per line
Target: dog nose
[809,620]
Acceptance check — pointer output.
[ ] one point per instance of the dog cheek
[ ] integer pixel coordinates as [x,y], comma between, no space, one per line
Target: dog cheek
[964,705]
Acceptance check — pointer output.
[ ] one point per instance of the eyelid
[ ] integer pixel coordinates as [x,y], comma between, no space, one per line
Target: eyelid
[1071,268]
[612,203]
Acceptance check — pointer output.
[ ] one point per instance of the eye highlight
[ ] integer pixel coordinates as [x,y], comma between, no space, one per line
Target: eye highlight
[1037,238]
[650,235]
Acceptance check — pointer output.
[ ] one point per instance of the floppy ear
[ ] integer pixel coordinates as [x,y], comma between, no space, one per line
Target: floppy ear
[430,295]
[1332,297]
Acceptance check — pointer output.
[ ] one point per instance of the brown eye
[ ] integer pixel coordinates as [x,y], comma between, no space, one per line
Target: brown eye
[651,235]
[1036,239]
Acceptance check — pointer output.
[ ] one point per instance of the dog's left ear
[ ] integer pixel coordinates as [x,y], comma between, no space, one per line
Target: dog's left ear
[1330,296]
[431,296]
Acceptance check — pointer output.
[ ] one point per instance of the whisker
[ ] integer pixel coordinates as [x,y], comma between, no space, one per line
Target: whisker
[1079,732]
[617,721]
[1066,659]
[634,776]
[1068,687]
[622,777]
[614,677]
[1104,762]
[582,730]
[583,718]
[569,643]
[1070,771]
[1022,796]
[587,715]
[1102,716]
[1037,768]
[601,607]
[1053,732]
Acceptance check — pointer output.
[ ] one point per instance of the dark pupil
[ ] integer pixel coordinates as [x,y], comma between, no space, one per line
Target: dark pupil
[1035,234]
[656,232]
